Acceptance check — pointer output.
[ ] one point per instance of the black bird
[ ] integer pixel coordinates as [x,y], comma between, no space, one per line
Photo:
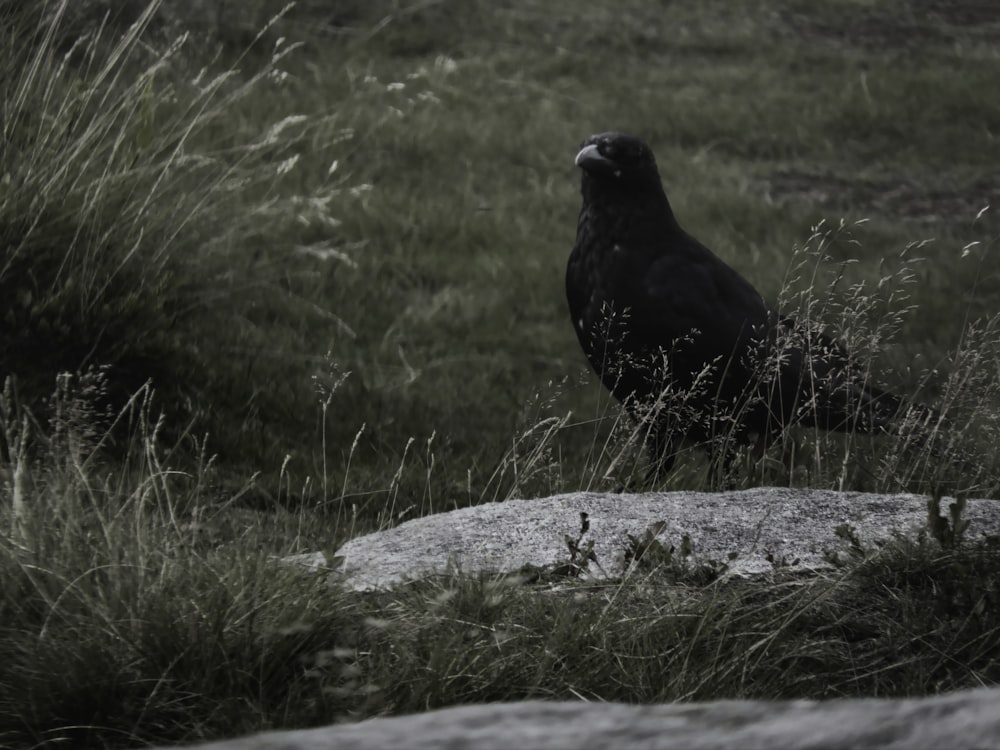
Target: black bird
[682,340]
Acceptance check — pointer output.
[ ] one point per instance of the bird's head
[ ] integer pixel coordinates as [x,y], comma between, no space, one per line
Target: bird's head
[618,158]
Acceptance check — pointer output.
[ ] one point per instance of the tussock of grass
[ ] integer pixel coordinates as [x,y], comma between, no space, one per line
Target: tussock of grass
[119,164]
[129,616]
[121,611]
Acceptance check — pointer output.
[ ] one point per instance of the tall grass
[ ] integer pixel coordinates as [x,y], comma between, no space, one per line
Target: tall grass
[121,612]
[132,191]
[137,608]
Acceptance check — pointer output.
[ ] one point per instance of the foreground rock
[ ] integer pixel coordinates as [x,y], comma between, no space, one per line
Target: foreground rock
[960,721]
[751,531]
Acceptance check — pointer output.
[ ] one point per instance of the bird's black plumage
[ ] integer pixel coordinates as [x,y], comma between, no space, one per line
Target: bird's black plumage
[680,338]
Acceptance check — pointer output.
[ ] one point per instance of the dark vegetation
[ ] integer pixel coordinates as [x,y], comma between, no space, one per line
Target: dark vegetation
[328,247]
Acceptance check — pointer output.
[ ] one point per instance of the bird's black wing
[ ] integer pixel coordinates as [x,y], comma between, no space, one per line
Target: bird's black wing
[689,291]
[684,317]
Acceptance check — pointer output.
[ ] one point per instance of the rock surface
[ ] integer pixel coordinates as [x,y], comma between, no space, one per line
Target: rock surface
[750,531]
[959,721]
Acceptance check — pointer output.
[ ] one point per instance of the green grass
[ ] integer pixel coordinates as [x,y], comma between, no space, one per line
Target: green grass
[143,612]
[328,246]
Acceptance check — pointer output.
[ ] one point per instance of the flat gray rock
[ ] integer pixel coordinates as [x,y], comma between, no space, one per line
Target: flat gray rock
[751,531]
[959,721]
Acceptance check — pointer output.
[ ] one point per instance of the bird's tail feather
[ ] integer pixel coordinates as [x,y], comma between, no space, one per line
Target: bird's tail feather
[861,407]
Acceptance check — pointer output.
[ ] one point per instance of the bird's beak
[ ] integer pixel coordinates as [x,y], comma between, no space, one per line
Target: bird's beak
[589,156]
[591,159]
[587,153]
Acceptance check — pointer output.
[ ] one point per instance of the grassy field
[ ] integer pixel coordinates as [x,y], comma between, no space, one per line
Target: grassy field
[270,279]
